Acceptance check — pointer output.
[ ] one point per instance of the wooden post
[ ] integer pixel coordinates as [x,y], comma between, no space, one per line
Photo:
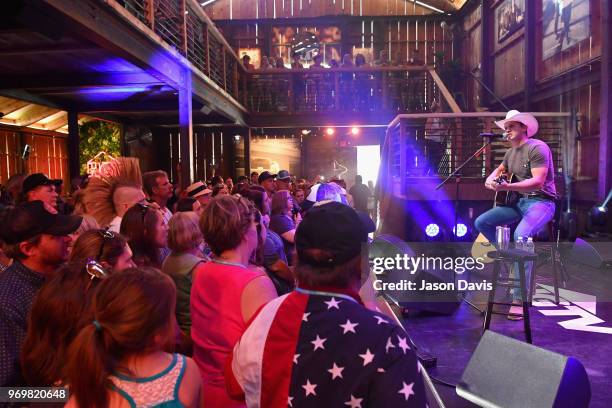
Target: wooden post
[184,25]
[605,116]
[385,77]
[223,53]
[151,15]
[235,81]
[291,94]
[247,153]
[530,52]
[186,129]
[73,144]
[485,50]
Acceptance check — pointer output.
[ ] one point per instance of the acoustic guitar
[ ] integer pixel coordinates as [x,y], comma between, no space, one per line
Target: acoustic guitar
[505,198]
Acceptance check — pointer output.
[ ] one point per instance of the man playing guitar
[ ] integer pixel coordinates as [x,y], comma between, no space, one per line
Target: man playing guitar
[530,162]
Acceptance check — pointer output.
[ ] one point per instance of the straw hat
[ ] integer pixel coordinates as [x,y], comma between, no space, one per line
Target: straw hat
[526,119]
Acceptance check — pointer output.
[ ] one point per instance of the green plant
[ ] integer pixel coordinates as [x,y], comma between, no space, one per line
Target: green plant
[97,136]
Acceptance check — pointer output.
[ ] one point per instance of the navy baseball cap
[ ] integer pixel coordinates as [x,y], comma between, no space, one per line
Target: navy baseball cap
[37,180]
[264,176]
[30,219]
[332,227]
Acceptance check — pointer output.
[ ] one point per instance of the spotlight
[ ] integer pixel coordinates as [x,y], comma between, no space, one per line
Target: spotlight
[329,131]
[237,138]
[461,230]
[305,131]
[354,131]
[432,230]
[598,216]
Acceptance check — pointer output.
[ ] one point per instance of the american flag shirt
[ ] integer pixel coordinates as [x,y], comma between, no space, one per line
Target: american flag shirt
[324,349]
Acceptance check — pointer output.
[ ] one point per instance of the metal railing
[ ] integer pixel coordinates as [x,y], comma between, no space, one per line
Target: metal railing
[321,90]
[184,26]
[434,145]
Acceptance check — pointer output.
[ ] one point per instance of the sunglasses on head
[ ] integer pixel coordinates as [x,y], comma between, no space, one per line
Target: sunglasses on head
[95,271]
[106,234]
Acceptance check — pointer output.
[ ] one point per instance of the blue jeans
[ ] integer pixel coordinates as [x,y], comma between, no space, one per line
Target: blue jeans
[532,215]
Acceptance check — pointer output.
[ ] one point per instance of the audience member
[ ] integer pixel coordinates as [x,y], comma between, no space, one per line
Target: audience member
[189,204]
[323,326]
[226,292]
[147,233]
[185,241]
[280,64]
[37,241]
[282,221]
[117,359]
[220,189]
[254,178]
[107,248]
[273,257]
[246,62]
[360,193]
[201,192]
[38,187]
[53,323]
[266,180]
[159,189]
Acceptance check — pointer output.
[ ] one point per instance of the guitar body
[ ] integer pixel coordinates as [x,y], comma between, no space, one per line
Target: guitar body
[481,247]
[505,198]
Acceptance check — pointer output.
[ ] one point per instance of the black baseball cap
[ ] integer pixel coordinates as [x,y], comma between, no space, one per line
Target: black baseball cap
[264,176]
[31,218]
[37,180]
[333,227]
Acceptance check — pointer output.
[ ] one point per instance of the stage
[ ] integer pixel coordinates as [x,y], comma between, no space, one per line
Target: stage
[581,327]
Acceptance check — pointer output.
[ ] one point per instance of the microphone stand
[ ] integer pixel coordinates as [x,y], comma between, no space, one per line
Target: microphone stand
[457,175]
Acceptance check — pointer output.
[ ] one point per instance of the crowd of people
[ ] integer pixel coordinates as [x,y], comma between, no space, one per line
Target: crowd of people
[315,91]
[132,293]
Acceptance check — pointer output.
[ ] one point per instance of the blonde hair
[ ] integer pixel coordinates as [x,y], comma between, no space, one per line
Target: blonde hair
[88,223]
[184,232]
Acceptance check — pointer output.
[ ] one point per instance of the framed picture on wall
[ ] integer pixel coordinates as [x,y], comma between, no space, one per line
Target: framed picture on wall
[509,17]
[565,24]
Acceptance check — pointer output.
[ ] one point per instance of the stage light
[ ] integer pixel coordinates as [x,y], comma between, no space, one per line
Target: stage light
[329,131]
[432,230]
[305,131]
[598,216]
[354,131]
[461,230]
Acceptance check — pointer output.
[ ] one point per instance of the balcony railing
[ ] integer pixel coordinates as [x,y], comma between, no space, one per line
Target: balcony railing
[185,27]
[321,90]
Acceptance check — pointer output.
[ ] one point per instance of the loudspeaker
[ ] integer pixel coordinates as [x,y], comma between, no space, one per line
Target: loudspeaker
[504,372]
[584,253]
[434,301]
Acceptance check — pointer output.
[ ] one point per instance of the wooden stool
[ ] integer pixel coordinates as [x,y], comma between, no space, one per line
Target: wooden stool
[551,249]
[511,256]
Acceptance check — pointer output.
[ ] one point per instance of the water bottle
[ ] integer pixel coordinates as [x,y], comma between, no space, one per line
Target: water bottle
[529,246]
[519,243]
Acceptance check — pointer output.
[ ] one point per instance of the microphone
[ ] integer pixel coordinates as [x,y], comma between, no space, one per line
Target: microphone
[494,135]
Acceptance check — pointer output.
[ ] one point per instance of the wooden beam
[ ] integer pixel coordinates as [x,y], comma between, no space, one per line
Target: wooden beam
[604,184]
[32,114]
[486,68]
[36,82]
[9,105]
[73,144]
[49,49]
[186,131]
[445,92]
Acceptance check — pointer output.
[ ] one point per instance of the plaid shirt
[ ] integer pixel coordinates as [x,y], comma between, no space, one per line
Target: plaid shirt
[18,286]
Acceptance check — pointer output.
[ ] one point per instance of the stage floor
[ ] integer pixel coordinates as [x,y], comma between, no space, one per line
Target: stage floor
[580,327]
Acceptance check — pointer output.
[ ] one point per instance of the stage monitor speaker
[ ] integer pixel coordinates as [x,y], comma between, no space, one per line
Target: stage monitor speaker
[582,252]
[504,372]
[434,301]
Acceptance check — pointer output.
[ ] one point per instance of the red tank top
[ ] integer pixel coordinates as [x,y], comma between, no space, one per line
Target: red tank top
[217,323]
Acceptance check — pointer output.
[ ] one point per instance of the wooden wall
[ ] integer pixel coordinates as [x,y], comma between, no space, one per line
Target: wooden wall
[420,39]
[251,9]
[49,153]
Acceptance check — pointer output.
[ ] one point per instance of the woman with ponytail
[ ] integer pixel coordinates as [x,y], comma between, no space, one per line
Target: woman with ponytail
[117,359]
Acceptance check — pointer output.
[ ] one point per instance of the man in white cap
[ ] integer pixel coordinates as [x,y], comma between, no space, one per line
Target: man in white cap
[530,162]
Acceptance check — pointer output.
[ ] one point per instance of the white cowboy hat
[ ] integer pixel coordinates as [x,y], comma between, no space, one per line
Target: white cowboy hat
[526,119]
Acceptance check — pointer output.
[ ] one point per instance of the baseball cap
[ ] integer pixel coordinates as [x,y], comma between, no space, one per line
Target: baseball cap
[37,180]
[283,175]
[333,227]
[197,189]
[31,218]
[264,176]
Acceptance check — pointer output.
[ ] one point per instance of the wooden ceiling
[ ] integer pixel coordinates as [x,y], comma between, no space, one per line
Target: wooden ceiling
[272,9]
